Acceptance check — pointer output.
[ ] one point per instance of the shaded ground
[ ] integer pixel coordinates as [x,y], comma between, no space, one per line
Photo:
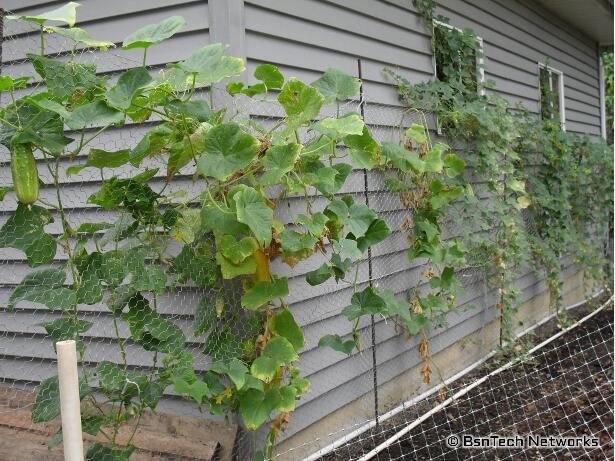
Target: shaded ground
[564,390]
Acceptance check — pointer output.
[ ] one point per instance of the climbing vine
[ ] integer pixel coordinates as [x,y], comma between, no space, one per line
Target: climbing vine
[527,169]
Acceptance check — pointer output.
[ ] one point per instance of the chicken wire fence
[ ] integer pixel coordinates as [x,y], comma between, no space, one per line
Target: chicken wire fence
[27,329]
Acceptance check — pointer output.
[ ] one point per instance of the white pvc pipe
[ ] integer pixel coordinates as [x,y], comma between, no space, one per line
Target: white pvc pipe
[408,403]
[477,383]
[70,406]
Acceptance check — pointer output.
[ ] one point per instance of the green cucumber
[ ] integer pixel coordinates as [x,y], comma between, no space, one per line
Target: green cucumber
[25,173]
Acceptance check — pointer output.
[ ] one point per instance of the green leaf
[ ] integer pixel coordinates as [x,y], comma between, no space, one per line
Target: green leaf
[402,159]
[63,329]
[47,403]
[7,83]
[301,102]
[288,398]
[454,165]
[294,242]
[430,229]
[153,34]
[228,149]
[24,230]
[99,158]
[197,109]
[211,66]
[366,302]
[110,377]
[356,218]
[337,128]
[80,36]
[433,158]
[270,75]
[44,287]
[235,250]
[347,248]
[67,80]
[152,143]
[336,85]
[363,149]
[254,212]
[336,343]
[45,130]
[230,270]
[281,350]
[66,13]
[128,86]
[377,231]
[196,390]
[283,324]
[417,133]
[278,161]
[222,219]
[96,114]
[264,292]
[264,368]
[255,407]
[315,224]
[320,275]
[195,263]
[444,197]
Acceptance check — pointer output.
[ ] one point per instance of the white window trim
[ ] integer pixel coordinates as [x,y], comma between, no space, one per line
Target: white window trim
[602,98]
[480,63]
[562,105]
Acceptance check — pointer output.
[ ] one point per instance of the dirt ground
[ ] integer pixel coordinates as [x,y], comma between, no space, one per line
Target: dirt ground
[565,390]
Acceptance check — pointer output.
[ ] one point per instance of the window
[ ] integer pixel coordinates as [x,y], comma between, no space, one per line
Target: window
[458,56]
[551,83]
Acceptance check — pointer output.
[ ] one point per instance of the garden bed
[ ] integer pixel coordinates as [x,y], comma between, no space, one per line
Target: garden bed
[565,389]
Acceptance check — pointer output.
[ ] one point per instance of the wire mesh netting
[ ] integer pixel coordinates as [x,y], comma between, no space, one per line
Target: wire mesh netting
[553,401]
[354,385]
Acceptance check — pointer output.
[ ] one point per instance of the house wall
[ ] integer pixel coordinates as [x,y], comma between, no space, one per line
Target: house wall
[304,38]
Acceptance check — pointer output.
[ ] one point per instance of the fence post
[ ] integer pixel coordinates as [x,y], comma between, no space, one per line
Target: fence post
[369,258]
[70,406]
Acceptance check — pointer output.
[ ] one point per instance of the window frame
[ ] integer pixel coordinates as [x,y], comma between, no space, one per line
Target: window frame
[560,91]
[480,60]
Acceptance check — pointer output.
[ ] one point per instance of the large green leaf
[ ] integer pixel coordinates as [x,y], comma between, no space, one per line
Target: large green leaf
[366,302]
[256,406]
[66,13]
[320,275]
[195,263]
[99,158]
[196,390]
[99,452]
[315,223]
[336,343]
[63,329]
[264,292]
[356,217]
[110,377]
[363,148]
[278,161]
[80,36]
[337,128]
[68,80]
[228,149]
[97,114]
[254,212]
[45,130]
[153,34]
[281,350]
[402,159]
[222,219]
[283,324]
[270,75]
[211,66]
[128,86]
[152,143]
[235,250]
[301,102]
[205,315]
[336,85]
[24,230]
[44,287]
[377,231]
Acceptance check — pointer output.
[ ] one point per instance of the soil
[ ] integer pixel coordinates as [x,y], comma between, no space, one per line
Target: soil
[564,389]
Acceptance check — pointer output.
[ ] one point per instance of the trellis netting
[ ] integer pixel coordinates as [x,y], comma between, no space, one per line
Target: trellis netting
[353,392]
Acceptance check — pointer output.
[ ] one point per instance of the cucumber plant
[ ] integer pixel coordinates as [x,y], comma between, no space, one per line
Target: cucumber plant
[228,231]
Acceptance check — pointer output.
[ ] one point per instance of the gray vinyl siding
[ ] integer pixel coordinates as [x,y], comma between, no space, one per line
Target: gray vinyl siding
[304,38]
